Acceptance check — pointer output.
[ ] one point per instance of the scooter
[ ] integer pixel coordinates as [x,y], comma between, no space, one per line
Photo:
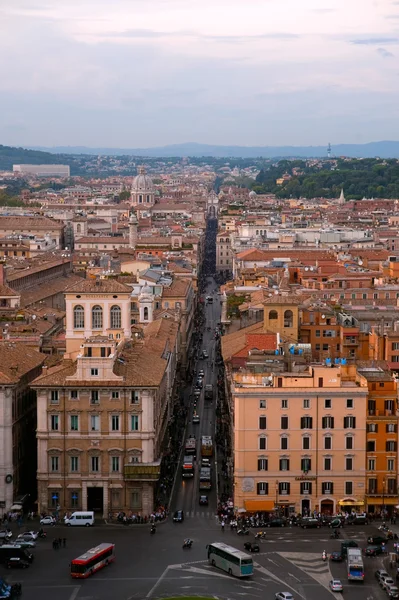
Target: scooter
[153,529]
[335,535]
[187,543]
[42,534]
[243,532]
[261,535]
[324,556]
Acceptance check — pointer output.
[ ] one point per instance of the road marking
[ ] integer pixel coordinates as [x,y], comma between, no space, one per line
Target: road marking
[275,578]
[272,561]
[293,577]
[201,572]
[74,593]
[155,586]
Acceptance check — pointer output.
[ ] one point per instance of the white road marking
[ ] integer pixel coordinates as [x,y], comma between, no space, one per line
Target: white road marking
[74,593]
[155,586]
[275,578]
[293,577]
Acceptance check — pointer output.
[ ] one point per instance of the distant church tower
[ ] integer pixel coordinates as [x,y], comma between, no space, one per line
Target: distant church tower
[133,223]
[341,199]
[142,192]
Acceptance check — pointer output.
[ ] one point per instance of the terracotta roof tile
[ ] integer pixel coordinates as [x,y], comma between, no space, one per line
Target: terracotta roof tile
[108,286]
[16,360]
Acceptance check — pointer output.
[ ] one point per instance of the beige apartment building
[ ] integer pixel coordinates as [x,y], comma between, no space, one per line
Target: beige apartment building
[299,440]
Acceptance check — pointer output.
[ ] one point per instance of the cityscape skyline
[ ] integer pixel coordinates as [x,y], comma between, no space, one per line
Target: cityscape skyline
[271,74]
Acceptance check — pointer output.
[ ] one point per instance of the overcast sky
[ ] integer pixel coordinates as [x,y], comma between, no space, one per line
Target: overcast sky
[137,73]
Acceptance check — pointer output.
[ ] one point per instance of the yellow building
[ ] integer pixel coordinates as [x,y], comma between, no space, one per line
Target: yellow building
[281,315]
[299,439]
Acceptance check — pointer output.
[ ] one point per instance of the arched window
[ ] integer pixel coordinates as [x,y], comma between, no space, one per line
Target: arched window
[288,318]
[96,317]
[145,313]
[78,228]
[140,199]
[116,317]
[273,315]
[78,317]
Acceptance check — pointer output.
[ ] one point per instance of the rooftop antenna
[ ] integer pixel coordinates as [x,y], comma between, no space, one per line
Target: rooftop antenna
[329,150]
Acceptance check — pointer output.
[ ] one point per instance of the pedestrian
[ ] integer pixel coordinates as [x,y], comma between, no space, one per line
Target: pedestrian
[222,525]
[64,542]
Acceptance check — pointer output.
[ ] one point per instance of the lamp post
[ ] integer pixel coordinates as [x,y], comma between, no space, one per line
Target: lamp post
[383,498]
[276,492]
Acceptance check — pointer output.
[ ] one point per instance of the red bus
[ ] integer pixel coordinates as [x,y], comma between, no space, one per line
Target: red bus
[92,560]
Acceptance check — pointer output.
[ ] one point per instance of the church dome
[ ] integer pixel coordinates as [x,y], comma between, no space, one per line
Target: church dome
[145,294]
[142,182]
[252,194]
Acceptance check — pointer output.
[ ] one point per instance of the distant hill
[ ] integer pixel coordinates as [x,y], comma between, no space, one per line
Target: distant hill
[10,156]
[385,149]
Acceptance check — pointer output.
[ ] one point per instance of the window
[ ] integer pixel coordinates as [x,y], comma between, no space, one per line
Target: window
[389,405]
[116,317]
[327,463]
[306,487]
[328,442]
[349,403]
[273,315]
[349,442]
[327,487]
[326,347]
[327,422]
[317,346]
[284,488]
[284,464]
[284,403]
[78,317]
[284,422]
[262,422]
[288,318]
[54,464]
[115,423]
[74,462]
[390,427]
[306,464]
[391,446]
[74,423]
[371,446]
[348,488]
[371,464]
[145,317]
[136,498]
[94,464]
[262,403]
[317,332]
[93,372]
[306,403]
[262,488]
[74,395]
[54,397]
[263,464]
[306,443]
[75,499]
[262,442]
[95,422]
[349,422]
[135,398]
[94,397]
[328,403]
[115,395]
[372,427]
[392,487]
[54,498]
[348,463]
[391,464]
[284,443]
[134,423]
[306,422]
[96,317]
[55,422]
[395,345]
[372,486]
[115,464]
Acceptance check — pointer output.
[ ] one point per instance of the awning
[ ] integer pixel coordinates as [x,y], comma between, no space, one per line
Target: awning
[255,505]
[380,500]
[16,507]
[350,502]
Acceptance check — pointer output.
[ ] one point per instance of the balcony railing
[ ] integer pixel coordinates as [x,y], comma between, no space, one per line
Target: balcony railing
[142,472]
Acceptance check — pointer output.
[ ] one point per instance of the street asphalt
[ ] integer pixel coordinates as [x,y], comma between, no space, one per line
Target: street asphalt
[156,566]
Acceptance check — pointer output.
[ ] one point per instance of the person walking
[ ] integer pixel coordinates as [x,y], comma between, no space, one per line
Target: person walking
[223,525]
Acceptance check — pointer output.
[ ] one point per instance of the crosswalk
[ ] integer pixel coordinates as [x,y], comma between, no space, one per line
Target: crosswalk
[200,514]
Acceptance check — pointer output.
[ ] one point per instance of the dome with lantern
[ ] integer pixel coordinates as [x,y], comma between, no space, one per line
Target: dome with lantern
[142,182]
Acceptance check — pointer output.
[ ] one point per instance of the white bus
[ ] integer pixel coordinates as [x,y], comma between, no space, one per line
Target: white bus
[230,559]
[80,518]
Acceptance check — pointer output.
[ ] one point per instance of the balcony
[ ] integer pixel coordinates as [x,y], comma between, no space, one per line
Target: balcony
[351,341]
[142,472]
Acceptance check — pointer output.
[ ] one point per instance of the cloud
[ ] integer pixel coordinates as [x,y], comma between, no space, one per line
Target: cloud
[152,34]
[375,41]
[384,53]
[322,11]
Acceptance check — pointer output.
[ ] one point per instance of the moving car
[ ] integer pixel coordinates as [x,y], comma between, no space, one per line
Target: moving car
[29,536]
[250,547]
[203,500]
[201,373]
[22,543]
[47,520]
[336,557]
[5,534]
[376,540]
[178,517]
[205,354]
[276,523]
[373,550]
[336,585]
[205,462]
[16,563]
[310,524]
[196,419]
[284,596]
[359,520]
[392,591]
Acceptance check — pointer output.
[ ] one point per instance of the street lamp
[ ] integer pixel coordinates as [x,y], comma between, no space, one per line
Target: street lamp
[383,498]
[276,492]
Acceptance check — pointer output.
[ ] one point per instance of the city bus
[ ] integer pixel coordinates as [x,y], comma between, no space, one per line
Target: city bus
[355,565]
[190,447]
[205,478]
[209,391]
[92,560]
[188,467]
[230,559]
[206,445]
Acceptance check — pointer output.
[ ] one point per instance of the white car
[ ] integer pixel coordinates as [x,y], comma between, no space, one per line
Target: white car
[384,581]
[5,534]
[29,536]
[336,585]
[47,520]
[284,596]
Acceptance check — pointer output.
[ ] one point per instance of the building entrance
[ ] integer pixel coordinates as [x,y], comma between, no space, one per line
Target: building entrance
[305,507]
[95,499]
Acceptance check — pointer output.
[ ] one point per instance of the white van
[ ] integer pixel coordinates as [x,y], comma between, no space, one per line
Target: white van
[80,518]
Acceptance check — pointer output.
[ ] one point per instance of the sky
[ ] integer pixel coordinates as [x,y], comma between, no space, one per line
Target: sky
[143,73]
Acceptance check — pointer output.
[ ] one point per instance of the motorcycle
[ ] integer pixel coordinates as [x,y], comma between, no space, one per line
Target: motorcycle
[335,535]
[42,534]
[324,556]
[153,529]
[187,543]
[261,535]
[243,532]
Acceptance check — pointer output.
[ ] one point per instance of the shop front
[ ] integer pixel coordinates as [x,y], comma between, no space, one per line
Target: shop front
[378,504]
[351,504]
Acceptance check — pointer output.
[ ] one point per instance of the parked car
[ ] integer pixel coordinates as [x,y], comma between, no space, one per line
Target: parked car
[392,591]
[5,534]
[373,550]
[203,500]
[359,520]
[310,524]
[23,543]
[29,536]
[47,520]
[336,585]
[336,557]
[377,540]
[16,563]
[386,580]
[178,517]
[380,573]
[276,523]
